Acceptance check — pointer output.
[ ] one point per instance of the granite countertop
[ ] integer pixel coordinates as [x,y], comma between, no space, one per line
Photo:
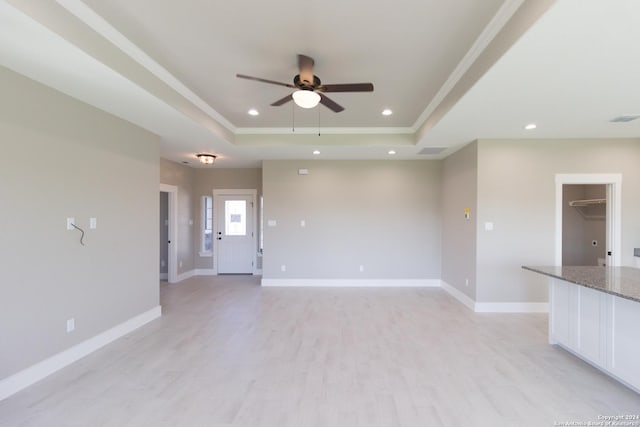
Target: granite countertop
[622,282]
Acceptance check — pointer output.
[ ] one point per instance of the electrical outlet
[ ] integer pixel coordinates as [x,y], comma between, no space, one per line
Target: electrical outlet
[466,281]
[162,263]
[71,325]
[180,264]
[283,268]
[93,223]
[361,268]
[70,221]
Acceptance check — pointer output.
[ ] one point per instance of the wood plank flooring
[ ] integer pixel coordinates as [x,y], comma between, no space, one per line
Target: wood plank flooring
[227,352]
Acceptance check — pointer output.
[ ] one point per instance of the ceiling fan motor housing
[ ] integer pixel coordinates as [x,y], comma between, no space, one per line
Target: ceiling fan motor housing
[306,85]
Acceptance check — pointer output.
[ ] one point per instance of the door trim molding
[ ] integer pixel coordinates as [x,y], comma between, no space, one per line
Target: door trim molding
[614,210]
[172,264]
[253,193]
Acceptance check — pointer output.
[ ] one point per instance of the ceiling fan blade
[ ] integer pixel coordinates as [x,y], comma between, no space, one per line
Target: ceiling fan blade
[305,65]
[330,104]
[347,87]
[258,79]
[282,101]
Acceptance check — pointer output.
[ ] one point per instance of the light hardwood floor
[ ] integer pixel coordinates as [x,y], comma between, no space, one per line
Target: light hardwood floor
[227,352]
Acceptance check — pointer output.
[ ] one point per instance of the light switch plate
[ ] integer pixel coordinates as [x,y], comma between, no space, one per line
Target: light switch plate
[93,223]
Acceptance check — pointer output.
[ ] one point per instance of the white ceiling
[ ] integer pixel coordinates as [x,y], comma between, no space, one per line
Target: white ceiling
[170,67]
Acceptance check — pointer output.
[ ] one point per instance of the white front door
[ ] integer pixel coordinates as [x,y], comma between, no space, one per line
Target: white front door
[234,233]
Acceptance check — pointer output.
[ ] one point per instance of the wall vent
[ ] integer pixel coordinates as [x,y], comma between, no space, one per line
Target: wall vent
[432,150]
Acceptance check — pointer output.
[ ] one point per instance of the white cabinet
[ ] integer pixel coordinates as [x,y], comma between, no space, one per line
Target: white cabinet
[600,328]
[625,341]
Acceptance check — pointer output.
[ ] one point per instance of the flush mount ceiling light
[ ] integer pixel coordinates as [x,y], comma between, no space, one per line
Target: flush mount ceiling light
[206,159]
[530,126]
[387,112]
[253,112]
[391,152]
[306,98]
[316,152]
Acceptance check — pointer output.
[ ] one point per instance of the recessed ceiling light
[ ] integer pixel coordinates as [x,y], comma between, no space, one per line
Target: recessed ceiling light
[387,112]
[392,152]
[530,126]
[316,152]
[253,112]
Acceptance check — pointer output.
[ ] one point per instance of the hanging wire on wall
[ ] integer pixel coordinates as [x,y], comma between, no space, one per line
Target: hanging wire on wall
[81,230]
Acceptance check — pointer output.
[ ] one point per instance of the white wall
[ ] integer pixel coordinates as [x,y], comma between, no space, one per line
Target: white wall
[460,191]
[183,177]
[383,215]
[516,192]
[61,158]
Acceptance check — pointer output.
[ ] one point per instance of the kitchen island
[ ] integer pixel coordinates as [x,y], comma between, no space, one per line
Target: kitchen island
[594,312]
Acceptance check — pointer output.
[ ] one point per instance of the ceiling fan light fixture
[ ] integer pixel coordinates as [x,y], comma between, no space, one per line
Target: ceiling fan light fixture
[306,98]
[206,159]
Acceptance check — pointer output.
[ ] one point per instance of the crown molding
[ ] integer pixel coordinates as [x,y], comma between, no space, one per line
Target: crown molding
[506,11]
[326,131]
[94,21]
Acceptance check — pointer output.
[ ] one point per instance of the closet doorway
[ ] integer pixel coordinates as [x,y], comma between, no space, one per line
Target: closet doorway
[588,219]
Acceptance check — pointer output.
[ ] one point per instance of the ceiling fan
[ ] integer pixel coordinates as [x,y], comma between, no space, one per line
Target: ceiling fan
[309,89]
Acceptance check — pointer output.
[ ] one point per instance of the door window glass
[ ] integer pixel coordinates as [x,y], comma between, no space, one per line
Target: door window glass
[235,217]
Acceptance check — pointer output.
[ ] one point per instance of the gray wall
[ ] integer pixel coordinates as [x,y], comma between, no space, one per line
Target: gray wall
[208,179]
[163,261]
[384,215]
[460,191]
[183,177]
[61,158]
[516,191]
[579,231]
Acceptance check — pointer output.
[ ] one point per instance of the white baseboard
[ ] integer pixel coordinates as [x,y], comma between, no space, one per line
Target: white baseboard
[204,272]
[512,307]
[361,283]
[495,307]
[41,370]
[460,296]
[184,276]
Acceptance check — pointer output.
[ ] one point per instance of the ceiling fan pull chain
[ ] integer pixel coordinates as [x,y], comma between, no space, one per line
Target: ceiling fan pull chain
[318,122]
[293,117]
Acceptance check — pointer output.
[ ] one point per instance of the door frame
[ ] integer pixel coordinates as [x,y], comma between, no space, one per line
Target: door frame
[613,181]
[172,262]
[251,192]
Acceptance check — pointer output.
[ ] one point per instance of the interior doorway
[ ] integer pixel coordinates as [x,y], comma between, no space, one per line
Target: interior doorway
[164,236]
[586,188]
[169,239]
[584,226]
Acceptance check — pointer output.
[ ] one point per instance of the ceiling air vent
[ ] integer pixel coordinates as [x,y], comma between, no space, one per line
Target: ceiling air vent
[624,119]
[432,150]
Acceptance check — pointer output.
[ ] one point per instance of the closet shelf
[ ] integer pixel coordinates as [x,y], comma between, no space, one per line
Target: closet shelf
[591,208]
[588,202]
